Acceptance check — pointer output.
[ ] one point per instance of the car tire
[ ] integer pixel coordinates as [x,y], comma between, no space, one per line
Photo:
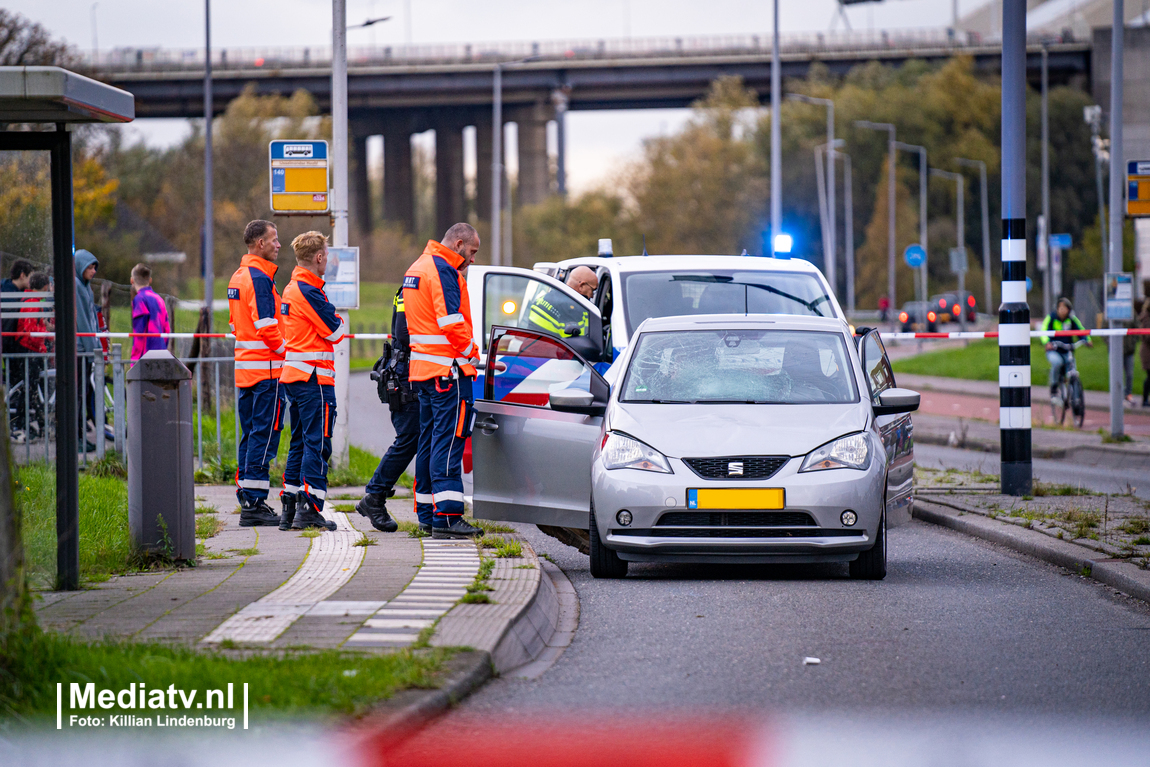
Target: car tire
[871,564]
[605,563]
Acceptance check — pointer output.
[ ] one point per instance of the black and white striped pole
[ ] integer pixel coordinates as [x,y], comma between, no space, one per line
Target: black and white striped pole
[1014,313]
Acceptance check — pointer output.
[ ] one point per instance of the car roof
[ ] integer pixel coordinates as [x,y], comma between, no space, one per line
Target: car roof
[756,321]
[702,262]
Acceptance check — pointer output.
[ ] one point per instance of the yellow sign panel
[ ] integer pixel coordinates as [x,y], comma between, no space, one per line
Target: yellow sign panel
[1138,188]
[737,498]
[299,176]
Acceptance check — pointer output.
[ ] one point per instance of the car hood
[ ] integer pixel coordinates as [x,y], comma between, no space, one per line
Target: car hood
[719,430]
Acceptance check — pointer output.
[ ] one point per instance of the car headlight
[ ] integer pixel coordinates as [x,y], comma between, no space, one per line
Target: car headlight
[849,452]
[623,452]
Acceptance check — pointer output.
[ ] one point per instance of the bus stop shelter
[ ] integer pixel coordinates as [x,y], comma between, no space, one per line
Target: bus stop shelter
[38,106]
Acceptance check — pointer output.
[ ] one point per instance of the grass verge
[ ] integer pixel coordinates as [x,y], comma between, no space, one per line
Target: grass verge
[322,683]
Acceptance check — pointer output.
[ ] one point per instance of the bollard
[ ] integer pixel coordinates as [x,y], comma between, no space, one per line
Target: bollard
[161,478]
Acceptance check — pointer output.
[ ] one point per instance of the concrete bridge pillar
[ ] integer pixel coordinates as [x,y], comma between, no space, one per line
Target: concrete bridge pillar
[534,168]
[398,190]
[483,135]
[360,188]
[449,183]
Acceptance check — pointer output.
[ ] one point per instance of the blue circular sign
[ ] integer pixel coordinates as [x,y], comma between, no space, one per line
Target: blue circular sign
[914,255]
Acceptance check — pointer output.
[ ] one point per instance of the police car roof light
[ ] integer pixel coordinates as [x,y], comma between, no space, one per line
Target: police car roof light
[605,247]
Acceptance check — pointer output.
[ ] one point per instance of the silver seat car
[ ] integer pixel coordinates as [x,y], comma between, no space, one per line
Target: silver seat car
[721,438]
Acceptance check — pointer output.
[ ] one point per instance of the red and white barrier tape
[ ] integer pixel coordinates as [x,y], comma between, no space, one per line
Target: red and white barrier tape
[1033,333]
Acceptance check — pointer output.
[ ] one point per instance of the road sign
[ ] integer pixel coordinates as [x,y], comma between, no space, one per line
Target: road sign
[1063,241]
[914,255]
[342,277]
[1119,296]
[299,176]
[957,260]
[1138,188]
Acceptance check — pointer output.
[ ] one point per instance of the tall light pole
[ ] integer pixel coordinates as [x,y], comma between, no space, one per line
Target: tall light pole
[776,138]
[339,213]
[890,199]
[849,227]
[985,224]
[922,220]
[1045,230]
[209,214]
[497,158]
[1014,313]
[830,262]
[960,235]
[1117,215]
[1093,117]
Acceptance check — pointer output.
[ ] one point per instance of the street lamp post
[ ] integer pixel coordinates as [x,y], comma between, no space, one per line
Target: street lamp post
[890,208]
[209,213]
[1117,180]
[830,261]
[985,223]
[1014,314]
[960,236]
[922,220]
[339,210]
[776,137]
[497,158]
[1045,229]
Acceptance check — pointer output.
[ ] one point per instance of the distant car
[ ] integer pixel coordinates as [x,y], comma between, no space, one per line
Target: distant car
[948,305]
[716,438]
[911,317]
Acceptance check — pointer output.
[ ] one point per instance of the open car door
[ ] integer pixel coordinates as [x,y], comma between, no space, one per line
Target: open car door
[897,430]
[532,461]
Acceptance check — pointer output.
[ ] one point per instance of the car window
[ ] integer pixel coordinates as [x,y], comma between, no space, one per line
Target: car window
[675,293]
[740,365]
[528,367]
[525,302]
[879,374]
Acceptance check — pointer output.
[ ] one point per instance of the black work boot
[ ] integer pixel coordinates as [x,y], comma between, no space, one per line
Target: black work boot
[257,514]
[457,529]
[306,516]
[288,516]
[375,509]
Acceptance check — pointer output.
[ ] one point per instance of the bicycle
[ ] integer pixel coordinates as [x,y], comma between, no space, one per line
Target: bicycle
[1069,396]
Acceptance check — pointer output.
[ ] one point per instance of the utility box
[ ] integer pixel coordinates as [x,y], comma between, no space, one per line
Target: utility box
[161,472]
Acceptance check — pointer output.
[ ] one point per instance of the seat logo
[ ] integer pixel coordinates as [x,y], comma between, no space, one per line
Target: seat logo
[735,469]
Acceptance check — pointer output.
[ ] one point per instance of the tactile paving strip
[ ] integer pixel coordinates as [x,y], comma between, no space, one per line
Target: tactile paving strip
[448,568]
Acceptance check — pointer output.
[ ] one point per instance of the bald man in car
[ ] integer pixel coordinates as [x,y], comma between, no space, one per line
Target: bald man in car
[553,312]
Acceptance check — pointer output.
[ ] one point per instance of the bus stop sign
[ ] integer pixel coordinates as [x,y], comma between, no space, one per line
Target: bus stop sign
[914,255]
[1138,188]
[299,177]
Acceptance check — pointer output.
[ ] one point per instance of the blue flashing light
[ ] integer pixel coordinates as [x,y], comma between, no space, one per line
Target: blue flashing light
[783,244]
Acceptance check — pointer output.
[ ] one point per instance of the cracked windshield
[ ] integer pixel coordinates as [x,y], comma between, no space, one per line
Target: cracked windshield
[740,366]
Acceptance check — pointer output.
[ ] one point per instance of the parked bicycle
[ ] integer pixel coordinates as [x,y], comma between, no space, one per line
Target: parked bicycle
[1069,395]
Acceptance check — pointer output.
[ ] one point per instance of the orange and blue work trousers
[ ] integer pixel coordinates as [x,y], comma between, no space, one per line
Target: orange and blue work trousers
[312,420]
[261,411]
[446,415]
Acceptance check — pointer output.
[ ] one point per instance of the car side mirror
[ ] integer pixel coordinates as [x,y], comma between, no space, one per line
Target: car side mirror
[896,401]
[576,401]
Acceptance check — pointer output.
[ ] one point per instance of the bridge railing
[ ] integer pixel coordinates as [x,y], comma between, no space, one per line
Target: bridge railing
[192,59]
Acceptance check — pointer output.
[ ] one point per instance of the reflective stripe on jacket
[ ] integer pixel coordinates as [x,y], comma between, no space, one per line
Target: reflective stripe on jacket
[554,313]
[253,309]
[438,315]
[312,327]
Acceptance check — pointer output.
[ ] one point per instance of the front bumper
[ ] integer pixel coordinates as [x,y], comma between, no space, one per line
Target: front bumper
[820,497]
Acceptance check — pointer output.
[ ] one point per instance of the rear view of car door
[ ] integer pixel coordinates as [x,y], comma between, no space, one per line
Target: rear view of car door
[897,430]
[532,463]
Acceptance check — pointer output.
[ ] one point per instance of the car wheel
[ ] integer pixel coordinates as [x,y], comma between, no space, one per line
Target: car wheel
[605,563]
[871,564]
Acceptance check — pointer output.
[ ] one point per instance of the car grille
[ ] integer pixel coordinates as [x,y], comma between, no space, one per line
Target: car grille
[736,519]
[737,532]
[754,466]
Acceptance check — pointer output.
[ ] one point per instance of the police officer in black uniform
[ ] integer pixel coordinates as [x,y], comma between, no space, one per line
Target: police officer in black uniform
[390,375]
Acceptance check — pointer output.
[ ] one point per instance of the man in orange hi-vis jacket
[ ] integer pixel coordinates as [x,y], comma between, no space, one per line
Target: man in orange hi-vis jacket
[441,370]
[312,327]
[253,307]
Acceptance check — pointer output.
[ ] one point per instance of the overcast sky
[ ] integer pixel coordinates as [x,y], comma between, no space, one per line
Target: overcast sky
[597,141]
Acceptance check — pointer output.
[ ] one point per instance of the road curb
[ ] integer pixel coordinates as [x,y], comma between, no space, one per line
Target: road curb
[1115,573]
[407,712]
[1114,456]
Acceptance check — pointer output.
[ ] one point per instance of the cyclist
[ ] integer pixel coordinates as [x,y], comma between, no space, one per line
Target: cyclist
[1062,318]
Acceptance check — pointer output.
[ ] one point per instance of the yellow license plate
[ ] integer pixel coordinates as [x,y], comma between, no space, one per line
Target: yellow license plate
[737,498]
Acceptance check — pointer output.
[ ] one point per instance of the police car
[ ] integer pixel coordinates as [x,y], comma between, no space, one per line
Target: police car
[635,288]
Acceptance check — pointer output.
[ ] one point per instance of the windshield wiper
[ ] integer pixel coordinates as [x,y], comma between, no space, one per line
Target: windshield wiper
[661,401]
